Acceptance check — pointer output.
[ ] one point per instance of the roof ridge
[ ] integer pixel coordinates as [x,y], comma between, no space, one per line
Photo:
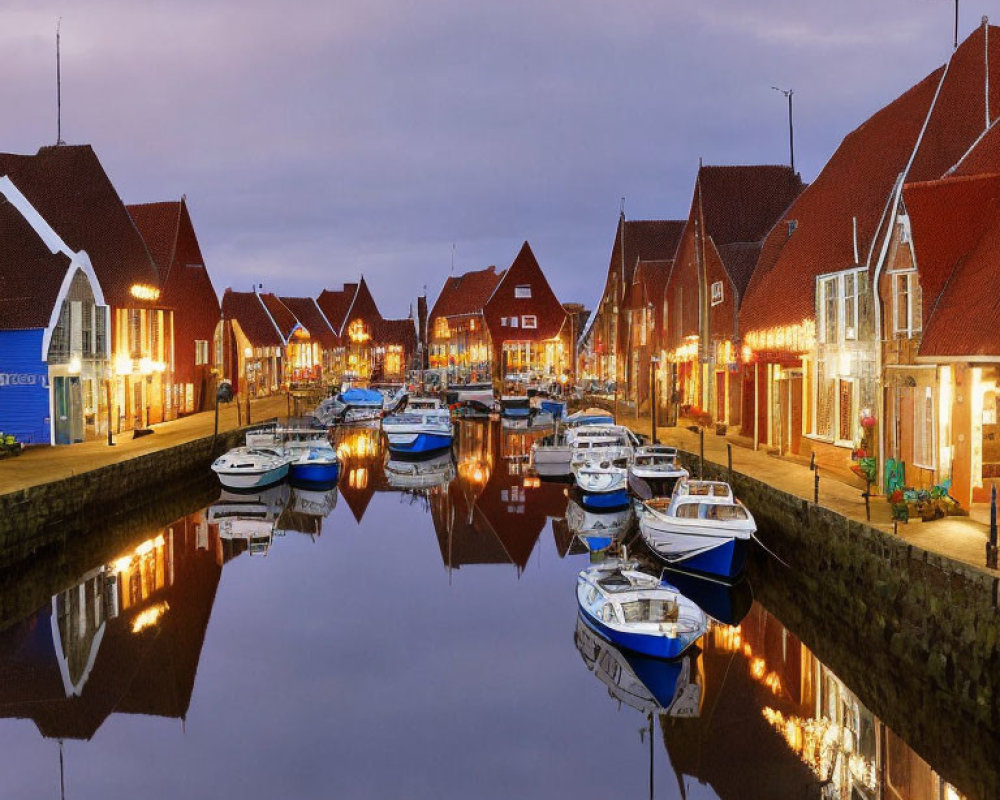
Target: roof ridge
[271,317]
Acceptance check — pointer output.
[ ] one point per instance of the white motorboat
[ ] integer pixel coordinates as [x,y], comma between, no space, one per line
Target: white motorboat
[603,484]
[589,416]
[250,468]
[638,611]
[551,455]
[418,433]
[360,405]
[601,443]
[654,471]
[305,440]
[700,527]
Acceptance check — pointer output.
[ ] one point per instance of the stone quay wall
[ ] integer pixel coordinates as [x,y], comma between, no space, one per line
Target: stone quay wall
[35,518]
[914,634]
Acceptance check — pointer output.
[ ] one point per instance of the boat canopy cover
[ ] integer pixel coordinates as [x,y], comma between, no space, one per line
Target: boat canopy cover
[361,397]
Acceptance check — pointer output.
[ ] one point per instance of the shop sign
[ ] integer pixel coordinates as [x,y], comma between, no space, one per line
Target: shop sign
[9,379]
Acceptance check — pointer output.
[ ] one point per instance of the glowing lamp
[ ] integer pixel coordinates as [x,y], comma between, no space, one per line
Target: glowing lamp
[146,366]
[142,291]
[74,365]
[123,364]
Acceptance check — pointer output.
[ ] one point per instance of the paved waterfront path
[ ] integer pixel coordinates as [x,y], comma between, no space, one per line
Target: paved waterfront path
[43,464]
[960,538]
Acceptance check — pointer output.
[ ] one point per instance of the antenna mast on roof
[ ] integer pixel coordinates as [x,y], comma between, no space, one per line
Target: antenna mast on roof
[955,43]
[59,139]
[791,134]
[452,258]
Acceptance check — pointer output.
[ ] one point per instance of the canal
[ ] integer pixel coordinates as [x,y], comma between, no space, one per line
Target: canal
[411,633]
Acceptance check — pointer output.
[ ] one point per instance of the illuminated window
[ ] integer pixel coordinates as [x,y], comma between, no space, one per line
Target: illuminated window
[200,352]
[529,321]
[717,295]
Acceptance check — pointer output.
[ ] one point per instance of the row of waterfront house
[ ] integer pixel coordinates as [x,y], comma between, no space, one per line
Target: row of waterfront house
[109,320]
[855,319]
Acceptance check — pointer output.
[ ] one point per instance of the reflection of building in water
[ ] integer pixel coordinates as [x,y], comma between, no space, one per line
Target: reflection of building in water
[126,638]
[782,724]
[359,448]
[492,513]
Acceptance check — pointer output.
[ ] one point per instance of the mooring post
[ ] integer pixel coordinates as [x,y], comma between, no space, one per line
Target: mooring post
[868,497]
[215,433]
[248,408]
[701,452]
[729,459]
[812,460]
[991,545]
[239,413]
[816,487]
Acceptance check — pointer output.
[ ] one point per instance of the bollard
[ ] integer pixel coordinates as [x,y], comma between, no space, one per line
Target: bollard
[812,460]
[991,545]
[248,409]
[239,413]
[701,451]
[729,452]
[868,496]
[816,487]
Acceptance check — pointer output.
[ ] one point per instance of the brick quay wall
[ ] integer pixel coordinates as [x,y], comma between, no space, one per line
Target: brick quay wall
[49,514]
[914,634]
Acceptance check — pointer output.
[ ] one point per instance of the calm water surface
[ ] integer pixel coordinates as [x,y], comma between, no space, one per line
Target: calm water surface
[393,638]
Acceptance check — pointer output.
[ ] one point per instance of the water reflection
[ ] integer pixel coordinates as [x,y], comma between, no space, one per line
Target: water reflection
[749,713]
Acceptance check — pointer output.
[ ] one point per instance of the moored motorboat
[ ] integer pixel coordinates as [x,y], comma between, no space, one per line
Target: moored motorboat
[602,485]
[551,455]
[601,443]
[305,440]
[359,405]
[589,416]
[654,471]
[700,527]
[316,466]
[638,611]
[418,433]
[248,468]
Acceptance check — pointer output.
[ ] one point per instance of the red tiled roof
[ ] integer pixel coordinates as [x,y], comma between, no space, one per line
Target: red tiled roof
[336,304]
[158,224]
[280,313]
[466,293]
[984,157]
[30,275]
[396,331]
[955,225]
[69,188]
[856,182]
[543,304]
[308,313]
[859,180]
[645,240]
[248,310]
[650,281]
[739,205]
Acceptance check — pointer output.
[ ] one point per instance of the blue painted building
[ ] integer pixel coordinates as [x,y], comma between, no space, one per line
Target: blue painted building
[53,329]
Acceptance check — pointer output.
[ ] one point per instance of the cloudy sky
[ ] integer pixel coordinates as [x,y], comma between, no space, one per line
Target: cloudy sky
[319,139]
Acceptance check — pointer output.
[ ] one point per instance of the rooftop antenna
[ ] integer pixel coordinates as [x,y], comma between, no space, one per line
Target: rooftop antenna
[452,258]
[791,133]
[955,42]
[59,139]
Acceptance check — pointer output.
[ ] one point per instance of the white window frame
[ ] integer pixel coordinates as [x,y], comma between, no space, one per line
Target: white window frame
[924,398]
[512,322]
[529,318]
[912,278]
[522,292]
[200,352]
[839,280]
[718,293]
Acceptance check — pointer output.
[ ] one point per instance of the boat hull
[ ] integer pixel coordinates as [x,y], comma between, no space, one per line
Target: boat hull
[418,444]
[250,480]
[708,551]
[605,501]
[655,646]
[314,473]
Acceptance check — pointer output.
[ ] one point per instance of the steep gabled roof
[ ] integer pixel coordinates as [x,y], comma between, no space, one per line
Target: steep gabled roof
[312,318]
[739,205]
[31,276]
[158,224]
[70,189]
[856,182]
[644,240]
[335,304]
[466,293]
[543,303]
[920,136]
[955,226]
[651,277]
[396,331]
[248,310]
[280,313]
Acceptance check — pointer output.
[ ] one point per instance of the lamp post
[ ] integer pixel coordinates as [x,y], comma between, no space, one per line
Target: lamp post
[791,136]
[653,363]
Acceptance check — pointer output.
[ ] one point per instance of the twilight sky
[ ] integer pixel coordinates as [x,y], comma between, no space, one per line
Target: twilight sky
[319,139]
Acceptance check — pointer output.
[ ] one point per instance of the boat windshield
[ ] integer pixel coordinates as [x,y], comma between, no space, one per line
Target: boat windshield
[719,512]
[651,610]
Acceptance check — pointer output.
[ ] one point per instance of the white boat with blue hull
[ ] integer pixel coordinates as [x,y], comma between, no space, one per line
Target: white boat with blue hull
[638,611]
[701,527]
[251,468]
[313,462]
[602,485]
[418,433]
[315,467]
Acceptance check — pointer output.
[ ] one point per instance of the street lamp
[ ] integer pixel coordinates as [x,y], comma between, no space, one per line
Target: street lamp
[653,362]
[791,140]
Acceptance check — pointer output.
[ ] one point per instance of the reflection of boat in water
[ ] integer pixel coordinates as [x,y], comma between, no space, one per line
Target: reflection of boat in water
[426,474]
[650,685]
[250,517]
[724,601]
[638,611]
[307,509]
[597,531]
